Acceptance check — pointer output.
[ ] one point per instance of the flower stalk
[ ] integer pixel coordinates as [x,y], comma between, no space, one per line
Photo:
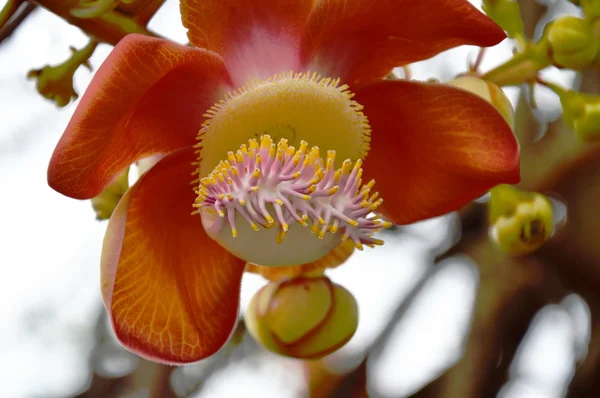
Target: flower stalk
[109,27]
[56,82]
[92,9]
[521,68]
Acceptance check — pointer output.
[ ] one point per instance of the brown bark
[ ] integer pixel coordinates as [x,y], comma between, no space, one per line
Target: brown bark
[8,27]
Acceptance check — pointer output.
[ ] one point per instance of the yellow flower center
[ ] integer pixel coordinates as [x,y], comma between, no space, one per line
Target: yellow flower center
[294,106]
[275,201]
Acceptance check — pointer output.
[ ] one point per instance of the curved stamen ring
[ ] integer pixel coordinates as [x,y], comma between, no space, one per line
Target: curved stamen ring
[272,185]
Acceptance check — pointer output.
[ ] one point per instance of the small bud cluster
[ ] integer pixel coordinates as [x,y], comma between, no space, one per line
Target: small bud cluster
[520,222]
[567,42]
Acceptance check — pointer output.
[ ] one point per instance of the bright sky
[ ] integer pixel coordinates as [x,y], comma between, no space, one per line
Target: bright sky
[49,293]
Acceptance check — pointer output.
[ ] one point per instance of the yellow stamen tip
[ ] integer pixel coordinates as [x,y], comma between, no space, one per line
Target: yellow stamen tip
[280,237]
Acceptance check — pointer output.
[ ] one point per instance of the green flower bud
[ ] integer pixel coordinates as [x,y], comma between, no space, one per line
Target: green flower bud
[105,203]
[520,222]
[570,41]
[489,92]
[303,317]
[581,112]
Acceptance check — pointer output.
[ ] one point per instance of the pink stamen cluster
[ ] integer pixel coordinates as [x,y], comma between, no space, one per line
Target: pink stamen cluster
[297,186]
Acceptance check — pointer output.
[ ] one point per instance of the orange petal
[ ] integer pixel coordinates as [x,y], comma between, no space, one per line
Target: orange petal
[148,97]
[434,148]
[171,291]
[257,38]
[336,257]
[361,41]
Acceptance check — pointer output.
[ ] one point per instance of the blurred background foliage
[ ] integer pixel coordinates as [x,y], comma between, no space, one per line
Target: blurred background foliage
[448,308]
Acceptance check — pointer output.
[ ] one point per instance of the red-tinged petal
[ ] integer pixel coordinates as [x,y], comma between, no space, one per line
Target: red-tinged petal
[434,148]
[171,291]
[257,38]
[361,41]
[148,97]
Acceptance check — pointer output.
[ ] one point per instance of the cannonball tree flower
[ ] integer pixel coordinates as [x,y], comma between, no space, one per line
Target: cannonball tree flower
[272,128]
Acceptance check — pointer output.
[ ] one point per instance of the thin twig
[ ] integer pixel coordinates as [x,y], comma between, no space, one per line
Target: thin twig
[405,304]
[9,9]
[109,28]
[10,21]
[474,68]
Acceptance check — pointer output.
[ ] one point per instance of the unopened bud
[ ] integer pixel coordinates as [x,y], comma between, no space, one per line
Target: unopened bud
[302,317]
[520,222]
[489,92]
[105,203]
[581,112]
[571,43]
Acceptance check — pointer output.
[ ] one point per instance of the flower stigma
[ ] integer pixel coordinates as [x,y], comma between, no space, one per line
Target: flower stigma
[287,206]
